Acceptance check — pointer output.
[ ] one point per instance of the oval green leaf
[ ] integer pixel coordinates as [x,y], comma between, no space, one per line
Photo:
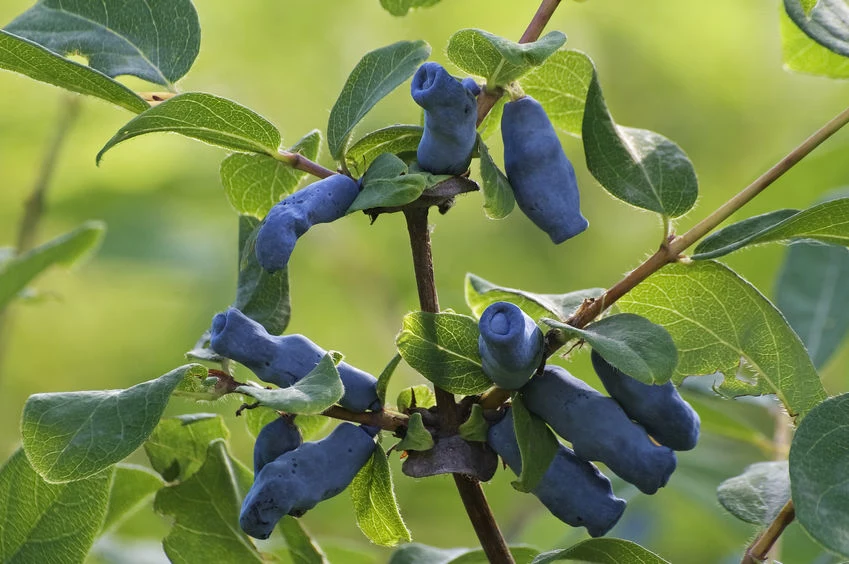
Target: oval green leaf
[803,54]
[377,74]
[716,319]
[401,7]
[205,117]
[254,183]
[30,59]
[561,84]
[73,435]
[131,488]
[375,505]
[443,347]
[177,447]
[827,222]
[395,139]
[500,61]
[827,22]
[155,40]
[537,446]
[640,167]
[818,460]
[497,193]
[44,522]
[641,349]
[602,551]
[758,494]
[16,273]
[317,391]
[417,437]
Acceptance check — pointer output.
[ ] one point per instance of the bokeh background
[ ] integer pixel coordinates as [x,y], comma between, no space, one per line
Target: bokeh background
[707,75]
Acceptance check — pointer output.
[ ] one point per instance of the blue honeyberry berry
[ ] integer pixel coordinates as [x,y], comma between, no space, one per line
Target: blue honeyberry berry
[450,120]
[572,489]
[541,175]
[298,480]
[659,409]
[510,345]
[274,440]
[321,202]
[286,359]
[598,429]
[471,85]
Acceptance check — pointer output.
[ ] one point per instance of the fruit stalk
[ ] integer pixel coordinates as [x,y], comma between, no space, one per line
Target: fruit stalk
[470,490]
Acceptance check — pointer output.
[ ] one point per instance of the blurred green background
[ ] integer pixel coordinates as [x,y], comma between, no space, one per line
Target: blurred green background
[707,75]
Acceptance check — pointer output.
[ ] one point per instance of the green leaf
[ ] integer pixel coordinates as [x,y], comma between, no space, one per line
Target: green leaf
[387,183]
[312,426]
[320,389]
[18,272]
[481,293]
[734,236]
[415,553]
[443,347]
[254,183]
[401,7]
[205,117]
[500,61]
[375,506]
[261,295]
[30,59]
[813,294]
[758,494]
[73,435]
[386,376]
[205,509]
[602,551]
[177,447]
[417,437]
[803,54]
[497,192]
[155,40]
[132,486]
[521,554]
[419,395]
[827,23]
[377,74]
[394,139]
[43,522]
[640,167]
[492,122]
[827,222]
[809,5]
[818,460]
[633,344]
[721,323]
[537,445]
[561,84]
[475,428]
[301,547]
[257,418]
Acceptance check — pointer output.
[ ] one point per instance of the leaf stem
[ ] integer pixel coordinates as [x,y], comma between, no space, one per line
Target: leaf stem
[385,419]
[470,490]
[759,550]
[300,162]
[69,111]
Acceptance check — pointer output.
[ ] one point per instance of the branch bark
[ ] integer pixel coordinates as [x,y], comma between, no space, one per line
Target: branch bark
[759,550]
[471,493]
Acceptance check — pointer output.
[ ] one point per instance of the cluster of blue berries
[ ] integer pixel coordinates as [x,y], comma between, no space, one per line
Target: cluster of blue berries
[291,476]
[634,432]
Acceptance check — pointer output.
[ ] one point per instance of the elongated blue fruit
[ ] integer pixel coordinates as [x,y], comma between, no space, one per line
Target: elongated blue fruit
[541,175]
[298,480]
[510,345]
[451,114]
[276,439]
[572,489]
[598,429]
[321,202]
[287,359]
[659,409]
[472,86]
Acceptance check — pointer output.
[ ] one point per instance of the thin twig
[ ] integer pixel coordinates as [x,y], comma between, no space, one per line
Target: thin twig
[385,419]
[69,111]
[470,490]
[759,550]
